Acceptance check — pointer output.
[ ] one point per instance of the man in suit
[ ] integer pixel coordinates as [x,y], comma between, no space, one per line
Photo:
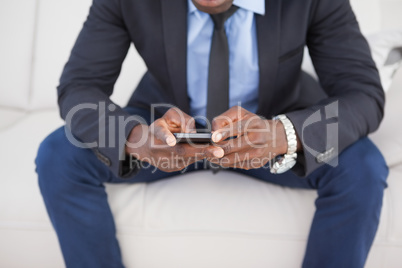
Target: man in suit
[204,58]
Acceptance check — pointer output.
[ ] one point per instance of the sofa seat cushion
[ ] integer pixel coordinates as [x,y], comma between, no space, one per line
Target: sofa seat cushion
[10,117]
[227,202]
[175,219]
[388,136]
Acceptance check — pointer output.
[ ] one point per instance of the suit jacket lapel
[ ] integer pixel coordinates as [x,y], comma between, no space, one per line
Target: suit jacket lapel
[268,35]
[174,18]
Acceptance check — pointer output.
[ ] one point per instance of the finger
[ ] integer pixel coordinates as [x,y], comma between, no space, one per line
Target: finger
[189,125]
[233,130]
[234,114]
[249,123]
[233,145]
[199,152]
[231,159]
[242,161]
[247,165]
[242,144]
[179,121]
[160,130]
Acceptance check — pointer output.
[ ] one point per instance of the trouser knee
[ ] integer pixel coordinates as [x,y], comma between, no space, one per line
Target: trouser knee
[59,162]
[359,179]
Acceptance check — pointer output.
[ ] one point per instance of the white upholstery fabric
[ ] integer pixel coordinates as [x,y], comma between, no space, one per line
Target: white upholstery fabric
[391,10]
[9,117]
[368,15]
[133,70]
[27,239]
[17,24]
[19,183]
[59,23]
[202,202]
[382,45]
[232,212]
[258,238]
[197,220]
[388,136]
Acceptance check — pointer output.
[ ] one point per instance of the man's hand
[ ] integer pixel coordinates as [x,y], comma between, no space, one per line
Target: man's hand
[156,143]
[254,142]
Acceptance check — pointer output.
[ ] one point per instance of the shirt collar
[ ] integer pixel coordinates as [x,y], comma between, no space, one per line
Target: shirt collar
[256,6]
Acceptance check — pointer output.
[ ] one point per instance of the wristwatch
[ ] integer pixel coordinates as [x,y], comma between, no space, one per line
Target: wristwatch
[283,163]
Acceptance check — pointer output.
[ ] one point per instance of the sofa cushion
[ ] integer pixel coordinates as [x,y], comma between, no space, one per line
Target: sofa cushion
[59,23]
[9,117]
[388,136]
[386,49]
[17,25]
[202,202]
[189,213]
[368,13]
[19,185]
[223,216]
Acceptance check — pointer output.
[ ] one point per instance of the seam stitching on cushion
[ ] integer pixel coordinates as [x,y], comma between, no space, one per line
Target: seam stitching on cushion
[33,49]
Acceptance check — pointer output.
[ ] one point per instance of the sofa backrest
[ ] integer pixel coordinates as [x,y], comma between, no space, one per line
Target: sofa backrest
[37,36]
[17,24]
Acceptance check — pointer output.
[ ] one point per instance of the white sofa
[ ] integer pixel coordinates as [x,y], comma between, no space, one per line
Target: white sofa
[195,220]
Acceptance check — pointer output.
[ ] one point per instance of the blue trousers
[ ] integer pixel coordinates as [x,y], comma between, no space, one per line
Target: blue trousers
[347,213]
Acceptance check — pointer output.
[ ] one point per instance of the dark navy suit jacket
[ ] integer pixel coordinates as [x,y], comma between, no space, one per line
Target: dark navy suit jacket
[354,99]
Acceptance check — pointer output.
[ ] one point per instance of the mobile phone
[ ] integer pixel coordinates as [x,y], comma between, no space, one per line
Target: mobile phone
[193,137]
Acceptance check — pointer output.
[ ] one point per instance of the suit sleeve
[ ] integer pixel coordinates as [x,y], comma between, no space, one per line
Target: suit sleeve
[355,104]
[87,82]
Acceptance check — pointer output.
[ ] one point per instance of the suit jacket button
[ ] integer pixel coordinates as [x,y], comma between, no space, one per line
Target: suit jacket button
[320,158]
[107,162]
[102,158]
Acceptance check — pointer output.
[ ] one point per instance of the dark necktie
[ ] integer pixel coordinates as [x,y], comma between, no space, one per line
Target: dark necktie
[218,73]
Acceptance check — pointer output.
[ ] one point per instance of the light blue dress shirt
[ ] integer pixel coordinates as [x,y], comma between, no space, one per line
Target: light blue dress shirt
[243,56]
